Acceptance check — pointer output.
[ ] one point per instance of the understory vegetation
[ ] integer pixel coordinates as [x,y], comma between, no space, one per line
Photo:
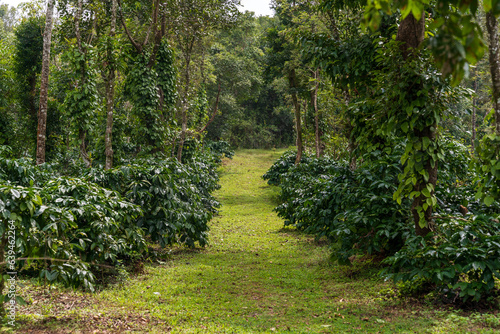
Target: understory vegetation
[71,224]
[355,210]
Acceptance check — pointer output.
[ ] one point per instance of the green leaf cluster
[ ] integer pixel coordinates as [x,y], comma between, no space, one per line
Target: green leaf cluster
[176,198]
[462,258]
[353,209]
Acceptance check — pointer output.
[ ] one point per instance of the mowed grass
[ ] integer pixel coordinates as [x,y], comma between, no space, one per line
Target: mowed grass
[255,277]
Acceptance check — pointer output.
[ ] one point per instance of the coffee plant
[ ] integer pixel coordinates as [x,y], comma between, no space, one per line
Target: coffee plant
[355,210]
[176,198]
[67,224]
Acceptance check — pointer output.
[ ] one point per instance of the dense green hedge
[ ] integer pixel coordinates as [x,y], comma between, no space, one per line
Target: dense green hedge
[353,209]
[356,211]
[175,198]
[94,219]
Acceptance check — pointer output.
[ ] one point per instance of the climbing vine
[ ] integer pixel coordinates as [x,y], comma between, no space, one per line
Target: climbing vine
[81,102]
[141,87]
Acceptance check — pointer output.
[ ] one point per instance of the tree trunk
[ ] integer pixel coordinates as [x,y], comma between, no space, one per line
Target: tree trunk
[494,53]
[110,91]
[78,18]
[183,135]
[351,146]
[82,135]
[214,113]
[82,132]
[44,86]
[185,99]
[473,120]
[411,32]
[421,184]
[314,102]
[298,123]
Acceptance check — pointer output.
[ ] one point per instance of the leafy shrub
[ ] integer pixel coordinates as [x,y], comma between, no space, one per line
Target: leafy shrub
[356,211]
[104,223]
[457,183]
[176,198]
[39,232]
[353,209]
[220,149]
[21,171]
[71,226]
[461,257]
[282,166]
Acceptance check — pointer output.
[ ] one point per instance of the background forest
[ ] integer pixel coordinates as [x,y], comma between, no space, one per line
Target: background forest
[114,121]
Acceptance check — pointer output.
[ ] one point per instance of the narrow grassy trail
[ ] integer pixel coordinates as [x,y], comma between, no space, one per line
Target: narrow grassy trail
[255,277]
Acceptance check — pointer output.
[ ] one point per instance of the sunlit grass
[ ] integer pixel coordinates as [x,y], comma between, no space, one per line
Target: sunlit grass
[254,277]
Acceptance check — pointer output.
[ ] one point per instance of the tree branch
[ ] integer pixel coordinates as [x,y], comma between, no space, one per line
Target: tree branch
[134,43]
[214,112]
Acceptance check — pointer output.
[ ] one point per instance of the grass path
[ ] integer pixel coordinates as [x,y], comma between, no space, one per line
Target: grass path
[255,277]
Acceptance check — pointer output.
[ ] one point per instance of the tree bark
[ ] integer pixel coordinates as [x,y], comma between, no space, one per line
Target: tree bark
[494,57]
[473,120]
[411,33]
[110,91]
[298,122]
[83,73]
[185,98]
[314,102]
[214,113]
[82,135]
[78,17]
[44,87]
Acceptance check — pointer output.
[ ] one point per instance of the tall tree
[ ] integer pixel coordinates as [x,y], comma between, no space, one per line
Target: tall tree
[44,87]
[28,64]
[300,19]
[286,47]
[494,56]
[109,78]
[192,21]
[411,33]
[151,70]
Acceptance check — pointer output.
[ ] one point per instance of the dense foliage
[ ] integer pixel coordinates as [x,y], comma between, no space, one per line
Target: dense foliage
[74,226]
[406,160]
[176,199]
[355,211]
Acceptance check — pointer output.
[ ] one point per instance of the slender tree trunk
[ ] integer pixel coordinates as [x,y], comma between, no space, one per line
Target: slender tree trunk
[298,122]
[494,55]
[214,113]
[183,135]
[473,121]
[82,135]
[314,102]
[411,33]
[32,102]
[44,87]
[185,100]
[110,91]
[83,81]
[351,145]
[78,18]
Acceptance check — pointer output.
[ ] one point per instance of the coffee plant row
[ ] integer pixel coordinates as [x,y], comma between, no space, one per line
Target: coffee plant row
[356,211]
[70,226]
